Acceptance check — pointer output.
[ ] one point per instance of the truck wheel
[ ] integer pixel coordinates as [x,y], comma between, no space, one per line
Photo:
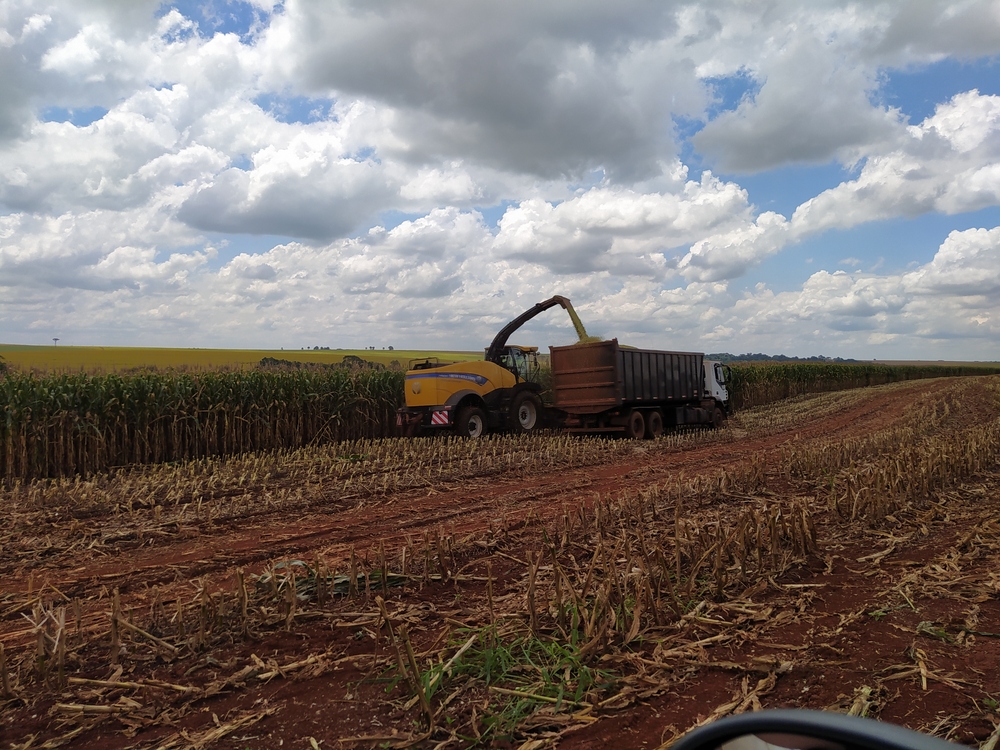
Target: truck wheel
[525,412]
[718,417]
[635,426]
[470,422]
[654,425]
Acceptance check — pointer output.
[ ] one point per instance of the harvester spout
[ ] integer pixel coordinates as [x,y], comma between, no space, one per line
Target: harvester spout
[581,332]
[493,353]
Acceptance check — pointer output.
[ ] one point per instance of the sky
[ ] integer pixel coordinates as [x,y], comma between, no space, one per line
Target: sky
[794,178]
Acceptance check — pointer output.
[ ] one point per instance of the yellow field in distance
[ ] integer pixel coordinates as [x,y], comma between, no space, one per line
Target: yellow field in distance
[117,358]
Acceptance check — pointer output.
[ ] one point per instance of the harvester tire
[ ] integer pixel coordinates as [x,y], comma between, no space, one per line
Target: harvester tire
[470,422]
[635,425]
[525,412]
[654,425]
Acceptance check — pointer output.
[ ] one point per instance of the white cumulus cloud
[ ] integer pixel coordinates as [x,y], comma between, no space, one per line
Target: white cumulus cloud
[427,171]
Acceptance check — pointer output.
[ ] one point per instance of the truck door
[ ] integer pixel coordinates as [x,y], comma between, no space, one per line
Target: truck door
[715,382]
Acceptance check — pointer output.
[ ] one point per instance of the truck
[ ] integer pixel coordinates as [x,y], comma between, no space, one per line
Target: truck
[597,386]
[605,387]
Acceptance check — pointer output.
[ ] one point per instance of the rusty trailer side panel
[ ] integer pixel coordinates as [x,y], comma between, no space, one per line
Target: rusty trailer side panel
[592,378]
[586,377]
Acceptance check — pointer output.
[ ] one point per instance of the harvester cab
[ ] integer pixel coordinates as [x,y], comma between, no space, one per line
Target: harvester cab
[500,392]
[522,361]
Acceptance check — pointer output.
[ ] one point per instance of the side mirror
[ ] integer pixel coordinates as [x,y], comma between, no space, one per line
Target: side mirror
[799,729]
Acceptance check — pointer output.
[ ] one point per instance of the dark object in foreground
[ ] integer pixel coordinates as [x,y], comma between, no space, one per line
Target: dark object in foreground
[806,730]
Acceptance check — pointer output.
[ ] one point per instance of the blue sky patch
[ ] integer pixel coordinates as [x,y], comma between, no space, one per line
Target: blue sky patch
[243,161]
[79,116]
[218,16]
[885,247]
[493,214]
[294,109]
[917,91]
[228,246]
[784,189]
[392,219]
[729,91]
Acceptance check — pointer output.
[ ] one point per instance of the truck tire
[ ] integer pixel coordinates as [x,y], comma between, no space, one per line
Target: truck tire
[635,425]
[525,412]
[470,422]
[654,425]
[718,417]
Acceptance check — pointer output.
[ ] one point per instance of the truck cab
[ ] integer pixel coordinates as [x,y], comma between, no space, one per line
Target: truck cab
[716,377]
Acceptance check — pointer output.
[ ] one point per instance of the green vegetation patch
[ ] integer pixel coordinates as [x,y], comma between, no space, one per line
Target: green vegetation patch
[520,674]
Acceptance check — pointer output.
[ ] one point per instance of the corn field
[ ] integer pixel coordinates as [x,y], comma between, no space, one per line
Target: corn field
[61,425]
[64,425]
[759,383]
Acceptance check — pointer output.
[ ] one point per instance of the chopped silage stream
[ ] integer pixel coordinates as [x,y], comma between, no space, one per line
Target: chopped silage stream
[831,569]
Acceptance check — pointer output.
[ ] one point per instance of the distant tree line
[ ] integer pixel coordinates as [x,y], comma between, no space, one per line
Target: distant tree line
[727,357]
[349,362]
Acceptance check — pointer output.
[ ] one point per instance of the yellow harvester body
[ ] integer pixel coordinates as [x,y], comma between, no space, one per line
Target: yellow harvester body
[501,392]
[448,384]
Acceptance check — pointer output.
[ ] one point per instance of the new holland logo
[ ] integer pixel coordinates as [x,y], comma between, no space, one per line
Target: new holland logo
[470,377]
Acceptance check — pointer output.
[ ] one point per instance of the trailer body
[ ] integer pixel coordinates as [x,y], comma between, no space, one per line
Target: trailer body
[604,387]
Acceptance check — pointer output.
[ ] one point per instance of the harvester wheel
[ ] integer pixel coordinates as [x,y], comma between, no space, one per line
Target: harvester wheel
[470,422]
[635,426]
[718,417]
[525,412]
[654,425]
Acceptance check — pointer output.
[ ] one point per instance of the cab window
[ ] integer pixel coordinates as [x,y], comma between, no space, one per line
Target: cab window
[519,363]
